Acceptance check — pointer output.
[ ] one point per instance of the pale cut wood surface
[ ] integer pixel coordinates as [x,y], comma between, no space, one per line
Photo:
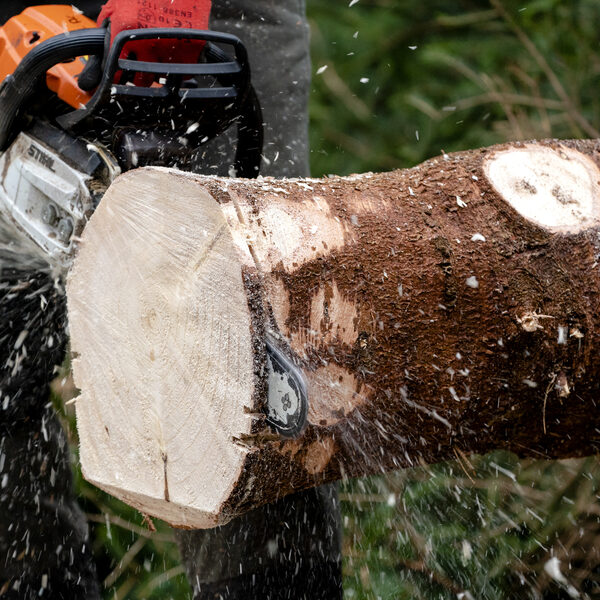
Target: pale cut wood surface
[160,329]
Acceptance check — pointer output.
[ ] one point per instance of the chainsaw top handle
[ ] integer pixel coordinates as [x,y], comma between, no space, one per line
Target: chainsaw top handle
[233,94]
[175,73]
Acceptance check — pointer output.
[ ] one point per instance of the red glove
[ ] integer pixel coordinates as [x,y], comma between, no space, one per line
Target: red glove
[144,14]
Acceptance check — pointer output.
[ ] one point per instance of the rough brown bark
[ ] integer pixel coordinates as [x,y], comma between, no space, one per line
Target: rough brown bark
[428,314]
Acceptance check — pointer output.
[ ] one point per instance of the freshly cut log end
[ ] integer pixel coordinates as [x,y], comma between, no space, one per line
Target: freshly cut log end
[555,187]
[161,335]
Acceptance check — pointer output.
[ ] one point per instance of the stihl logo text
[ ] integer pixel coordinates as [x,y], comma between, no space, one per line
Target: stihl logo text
[41,157]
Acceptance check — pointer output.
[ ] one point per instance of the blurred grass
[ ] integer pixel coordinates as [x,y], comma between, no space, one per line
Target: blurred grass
[404,81]
[484,526]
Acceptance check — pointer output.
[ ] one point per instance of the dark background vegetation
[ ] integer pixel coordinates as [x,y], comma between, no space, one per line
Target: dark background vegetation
[404,81]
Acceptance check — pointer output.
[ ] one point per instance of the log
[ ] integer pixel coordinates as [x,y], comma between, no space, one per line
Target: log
[449,308]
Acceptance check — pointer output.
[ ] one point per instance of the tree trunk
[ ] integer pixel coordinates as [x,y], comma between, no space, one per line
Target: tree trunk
[448,308]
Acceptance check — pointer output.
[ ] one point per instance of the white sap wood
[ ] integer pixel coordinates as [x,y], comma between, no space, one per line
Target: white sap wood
[163,352]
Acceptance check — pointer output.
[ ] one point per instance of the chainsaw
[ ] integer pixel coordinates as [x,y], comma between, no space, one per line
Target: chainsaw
[62,146]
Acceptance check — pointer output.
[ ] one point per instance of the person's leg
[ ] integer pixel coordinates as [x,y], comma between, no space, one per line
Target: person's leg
[291,549]
[44,547]
[276,35]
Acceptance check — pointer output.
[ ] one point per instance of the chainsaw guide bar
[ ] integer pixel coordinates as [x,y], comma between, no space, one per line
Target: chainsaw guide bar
[287,403]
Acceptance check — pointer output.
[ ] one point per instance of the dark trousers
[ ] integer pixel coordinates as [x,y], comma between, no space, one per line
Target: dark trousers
[44,542]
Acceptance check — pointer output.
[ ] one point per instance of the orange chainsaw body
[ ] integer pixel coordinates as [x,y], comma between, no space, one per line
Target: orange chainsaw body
[34,25]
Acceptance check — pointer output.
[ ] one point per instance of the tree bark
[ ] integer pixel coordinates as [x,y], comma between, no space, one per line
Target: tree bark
[452,307]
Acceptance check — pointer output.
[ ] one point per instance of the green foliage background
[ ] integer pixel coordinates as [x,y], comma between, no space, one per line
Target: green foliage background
[447,74]
[396,82]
